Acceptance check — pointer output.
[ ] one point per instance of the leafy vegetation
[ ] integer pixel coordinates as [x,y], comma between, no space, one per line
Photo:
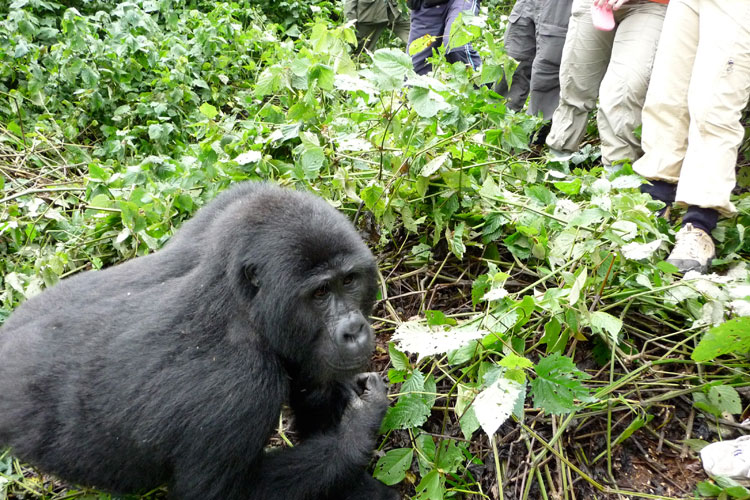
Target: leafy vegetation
[536,343]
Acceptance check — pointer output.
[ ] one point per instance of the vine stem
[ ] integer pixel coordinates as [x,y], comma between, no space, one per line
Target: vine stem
[497,469]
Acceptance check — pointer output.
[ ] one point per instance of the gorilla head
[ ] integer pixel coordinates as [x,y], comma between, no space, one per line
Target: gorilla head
[172,368]
[307,292]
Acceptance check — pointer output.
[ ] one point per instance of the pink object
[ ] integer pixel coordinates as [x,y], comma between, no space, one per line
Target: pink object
[602,17]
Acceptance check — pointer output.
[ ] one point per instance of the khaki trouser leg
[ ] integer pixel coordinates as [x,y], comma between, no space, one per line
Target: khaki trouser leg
[717,92]
[623,89]
[584,60]
[665,113]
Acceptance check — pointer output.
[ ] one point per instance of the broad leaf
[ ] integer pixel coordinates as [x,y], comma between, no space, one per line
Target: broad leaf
[730,337]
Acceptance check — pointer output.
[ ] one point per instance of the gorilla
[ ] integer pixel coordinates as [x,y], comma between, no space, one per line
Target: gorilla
[172,368]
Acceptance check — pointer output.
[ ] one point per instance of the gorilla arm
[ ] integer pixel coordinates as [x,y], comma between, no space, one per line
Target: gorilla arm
[330,463]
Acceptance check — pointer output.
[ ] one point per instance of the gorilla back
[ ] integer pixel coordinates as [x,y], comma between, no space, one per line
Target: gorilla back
[172,368]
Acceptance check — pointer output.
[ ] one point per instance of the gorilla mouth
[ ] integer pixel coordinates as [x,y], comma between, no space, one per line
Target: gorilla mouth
[350,367]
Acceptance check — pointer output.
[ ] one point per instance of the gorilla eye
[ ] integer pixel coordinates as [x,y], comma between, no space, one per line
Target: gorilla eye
[321,292]
[349,279]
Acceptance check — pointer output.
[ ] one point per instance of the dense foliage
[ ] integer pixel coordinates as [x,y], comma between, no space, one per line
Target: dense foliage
[518,293]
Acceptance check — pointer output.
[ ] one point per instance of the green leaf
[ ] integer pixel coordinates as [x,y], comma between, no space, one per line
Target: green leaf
[208,111]
[578,284]
[373,198]
[435,318]
[322,75]
[636,424]
[462,32]
[414,382]
[455,240]
[427,103]
[312,160]
[450,457]
[730,337]
[558,385]
[588,217]
[541,195]
[410,410]
[434,164]
[725,398]
[155,132]
[430,487]
[413,408]
[570,188]
[602,322]
[667,267]
[552,330]
[399,360]
[97,172]
[391,468]
[421,44]
[480,286]
[513,361]
[464,411]
[391,67]
[708,489]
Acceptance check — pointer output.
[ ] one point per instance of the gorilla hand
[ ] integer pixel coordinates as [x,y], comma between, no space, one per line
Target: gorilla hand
[368,403]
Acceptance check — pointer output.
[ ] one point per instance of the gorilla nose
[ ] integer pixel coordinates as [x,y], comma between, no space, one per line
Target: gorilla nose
[352,332]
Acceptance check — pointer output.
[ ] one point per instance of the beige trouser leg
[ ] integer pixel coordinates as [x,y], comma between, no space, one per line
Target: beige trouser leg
[612,65]
[700,85]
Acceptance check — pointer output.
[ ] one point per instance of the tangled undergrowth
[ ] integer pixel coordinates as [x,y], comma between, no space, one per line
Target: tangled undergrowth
[532,333]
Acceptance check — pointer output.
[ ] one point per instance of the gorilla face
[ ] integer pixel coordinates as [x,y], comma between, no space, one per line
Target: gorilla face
[326,335]
[344,337]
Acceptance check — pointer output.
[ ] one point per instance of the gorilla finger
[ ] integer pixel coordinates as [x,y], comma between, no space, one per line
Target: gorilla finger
[374,384]
[359,384]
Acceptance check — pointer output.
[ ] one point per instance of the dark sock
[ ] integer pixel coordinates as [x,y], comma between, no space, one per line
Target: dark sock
[702,218]
[541,135]
[660,190]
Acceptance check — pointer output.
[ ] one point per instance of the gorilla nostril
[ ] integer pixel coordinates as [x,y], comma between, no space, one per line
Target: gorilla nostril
[352,333]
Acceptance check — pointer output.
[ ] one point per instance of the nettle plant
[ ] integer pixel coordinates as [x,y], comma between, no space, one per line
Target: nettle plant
[130,118]
[440,163]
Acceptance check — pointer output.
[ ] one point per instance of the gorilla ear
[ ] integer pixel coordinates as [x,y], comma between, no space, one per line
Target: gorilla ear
[253,284]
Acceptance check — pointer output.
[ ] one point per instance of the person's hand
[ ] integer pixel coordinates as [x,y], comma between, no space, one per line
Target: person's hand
[612,4]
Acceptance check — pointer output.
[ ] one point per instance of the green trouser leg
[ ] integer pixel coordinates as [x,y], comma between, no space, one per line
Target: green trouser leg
[368,35]
[400,27]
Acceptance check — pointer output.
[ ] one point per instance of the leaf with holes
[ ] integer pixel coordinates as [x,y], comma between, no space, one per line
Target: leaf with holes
[391,468]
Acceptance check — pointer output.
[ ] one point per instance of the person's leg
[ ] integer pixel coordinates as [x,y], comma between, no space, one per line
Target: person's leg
[426,21]
[368,35]
[584,60]
[665,113]
[661,190]
[545,76]
[400,25]
[465,53]
[520,44]
[623,90]
[719,91]
[550,38]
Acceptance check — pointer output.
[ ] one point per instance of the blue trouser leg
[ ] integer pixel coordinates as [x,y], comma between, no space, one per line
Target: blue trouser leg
[437,21]
[465,53]
[426,21]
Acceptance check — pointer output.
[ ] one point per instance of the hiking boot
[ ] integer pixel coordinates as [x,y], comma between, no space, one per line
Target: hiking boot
[693,250]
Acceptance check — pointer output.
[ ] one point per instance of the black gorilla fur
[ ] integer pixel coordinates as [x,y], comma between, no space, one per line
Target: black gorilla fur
[172,368]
